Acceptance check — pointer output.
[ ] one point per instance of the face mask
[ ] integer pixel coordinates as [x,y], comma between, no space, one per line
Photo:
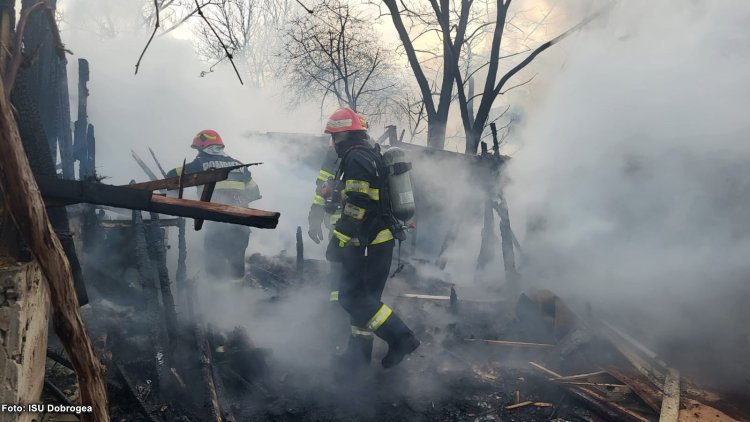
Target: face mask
[214,150]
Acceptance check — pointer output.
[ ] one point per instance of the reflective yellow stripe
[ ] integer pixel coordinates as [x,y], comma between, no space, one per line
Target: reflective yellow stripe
[357,186]
[335,218]
[374,194]
[361,332]
[354,211]
[231,185]
[318,200]
[382,237]
[379,318]
[324,175]
[178,170]
[343,239]
[334,297]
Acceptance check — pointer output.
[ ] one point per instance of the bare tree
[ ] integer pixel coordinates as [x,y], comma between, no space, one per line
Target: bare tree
[334,54]
[462,28]
[250,29]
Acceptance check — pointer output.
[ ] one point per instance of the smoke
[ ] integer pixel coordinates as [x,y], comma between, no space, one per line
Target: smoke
[632,179]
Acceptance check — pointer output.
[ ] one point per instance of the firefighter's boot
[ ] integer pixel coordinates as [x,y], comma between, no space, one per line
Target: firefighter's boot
[358,353]
[401,340]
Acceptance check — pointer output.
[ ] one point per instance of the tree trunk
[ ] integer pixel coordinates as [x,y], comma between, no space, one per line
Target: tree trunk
[29,213]
[436,125]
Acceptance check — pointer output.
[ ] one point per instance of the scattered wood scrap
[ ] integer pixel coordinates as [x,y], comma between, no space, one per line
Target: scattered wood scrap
[513,343]
[519,405]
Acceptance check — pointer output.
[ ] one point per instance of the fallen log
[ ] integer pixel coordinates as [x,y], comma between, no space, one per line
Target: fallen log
[30,216]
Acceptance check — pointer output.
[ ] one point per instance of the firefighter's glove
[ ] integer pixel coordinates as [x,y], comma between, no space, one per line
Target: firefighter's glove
[315,223]
[335,250]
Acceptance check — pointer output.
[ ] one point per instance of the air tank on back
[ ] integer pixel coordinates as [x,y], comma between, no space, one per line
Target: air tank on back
[399,183]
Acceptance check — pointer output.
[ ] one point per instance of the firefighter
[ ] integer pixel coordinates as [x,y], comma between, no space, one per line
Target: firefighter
[224,244]
[363,242]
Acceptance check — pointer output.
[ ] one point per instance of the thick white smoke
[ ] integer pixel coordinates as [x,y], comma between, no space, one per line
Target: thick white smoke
[633,178]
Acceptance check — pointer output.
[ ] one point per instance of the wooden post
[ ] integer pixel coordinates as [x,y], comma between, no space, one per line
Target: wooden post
[300,251]
[28,211]
[65,135]
[24,318]
[159,256]
[181,273]
[506,236]
[43,83]
[81,125]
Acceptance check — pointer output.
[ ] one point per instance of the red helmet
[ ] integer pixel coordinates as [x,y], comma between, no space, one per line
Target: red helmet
[345,120]
[206,138]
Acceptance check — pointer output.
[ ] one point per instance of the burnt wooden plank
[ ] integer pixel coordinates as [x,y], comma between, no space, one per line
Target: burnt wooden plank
[214,212]
[62,192]
[190,179]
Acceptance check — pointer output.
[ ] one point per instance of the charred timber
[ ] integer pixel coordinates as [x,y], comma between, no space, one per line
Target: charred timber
[190,179]
[65,192]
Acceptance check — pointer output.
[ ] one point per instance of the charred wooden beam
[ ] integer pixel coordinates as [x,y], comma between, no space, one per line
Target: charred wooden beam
[300,251]
[208,192]
[121,223]
[142,164]
[159,256]
[181,273]
[63,192]
[190,179]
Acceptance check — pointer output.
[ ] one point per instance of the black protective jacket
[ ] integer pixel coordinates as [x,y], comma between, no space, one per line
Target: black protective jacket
[364,217]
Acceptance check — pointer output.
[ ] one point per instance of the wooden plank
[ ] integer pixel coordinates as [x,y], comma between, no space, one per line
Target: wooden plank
[513,343]
[28,211]
[580,376]
[190,179]
[214,212]
[697,412]
[519,405]
[117,223]
[71,191]
[640,385]
[428,297]
[670,404]
[598,402]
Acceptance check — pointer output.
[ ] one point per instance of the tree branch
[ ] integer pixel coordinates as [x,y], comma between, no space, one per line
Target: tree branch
[15,62]
[226,50]
[148,43]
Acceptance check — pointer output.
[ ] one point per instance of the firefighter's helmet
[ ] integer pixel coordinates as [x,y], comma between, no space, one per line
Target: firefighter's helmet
[206,138]
[345,120]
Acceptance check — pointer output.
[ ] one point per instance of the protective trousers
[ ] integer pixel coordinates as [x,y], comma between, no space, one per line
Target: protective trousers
[363,278]
[224,249]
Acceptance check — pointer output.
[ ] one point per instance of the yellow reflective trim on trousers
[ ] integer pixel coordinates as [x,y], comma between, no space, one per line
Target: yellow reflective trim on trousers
[343,239]
[361,332]
[231,185]
[354,211]
[318,200]
[382,237]
[334,296]
[324,175]
[379,318]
